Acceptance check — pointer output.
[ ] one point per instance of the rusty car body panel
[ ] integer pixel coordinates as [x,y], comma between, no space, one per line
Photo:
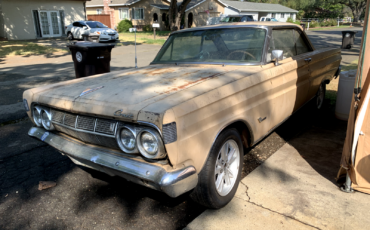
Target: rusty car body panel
[201,98]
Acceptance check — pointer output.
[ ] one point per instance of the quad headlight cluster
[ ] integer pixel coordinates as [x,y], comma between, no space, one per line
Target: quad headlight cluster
[131,139]
[142,140]
[42,117]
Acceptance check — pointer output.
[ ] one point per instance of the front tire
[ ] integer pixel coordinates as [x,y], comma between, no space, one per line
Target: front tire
[70,36]
[220,176]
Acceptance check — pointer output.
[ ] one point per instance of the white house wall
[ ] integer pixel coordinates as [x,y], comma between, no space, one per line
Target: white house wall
[230,11]
[18,18]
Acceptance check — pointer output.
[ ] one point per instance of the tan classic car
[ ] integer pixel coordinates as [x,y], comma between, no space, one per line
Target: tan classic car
[182,123]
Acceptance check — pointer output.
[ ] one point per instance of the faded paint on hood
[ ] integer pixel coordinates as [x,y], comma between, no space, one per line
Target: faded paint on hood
[131,90]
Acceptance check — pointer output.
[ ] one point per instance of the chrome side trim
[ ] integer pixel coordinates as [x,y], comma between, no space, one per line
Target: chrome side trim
[173,182]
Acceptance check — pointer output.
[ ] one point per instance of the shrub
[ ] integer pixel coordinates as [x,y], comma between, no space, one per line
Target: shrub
[147,28]
[124,25]
[333,22]
[290,20]
[314,24]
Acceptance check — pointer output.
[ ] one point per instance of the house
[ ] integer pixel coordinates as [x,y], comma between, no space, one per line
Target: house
[258,10]
[32,19]
[146,12]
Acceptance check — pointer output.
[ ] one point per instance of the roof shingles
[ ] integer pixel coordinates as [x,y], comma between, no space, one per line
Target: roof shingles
[259,7]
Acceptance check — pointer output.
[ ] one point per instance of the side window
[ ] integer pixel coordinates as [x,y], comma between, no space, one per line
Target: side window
[284,40]
[301,44]
[288,40]
[250,18]
[77,24]
[244,19]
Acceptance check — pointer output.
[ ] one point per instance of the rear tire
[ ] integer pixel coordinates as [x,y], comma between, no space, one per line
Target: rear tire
[320,97]
[220,176]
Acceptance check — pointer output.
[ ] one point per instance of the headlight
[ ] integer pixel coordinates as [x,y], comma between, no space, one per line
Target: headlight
[127,140]
[46,120]
[150,144]
[37,116]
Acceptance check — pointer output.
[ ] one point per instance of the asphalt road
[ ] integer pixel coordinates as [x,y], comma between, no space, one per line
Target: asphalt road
[80,201]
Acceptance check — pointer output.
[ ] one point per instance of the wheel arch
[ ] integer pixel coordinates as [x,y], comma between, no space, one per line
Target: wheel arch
[243,128]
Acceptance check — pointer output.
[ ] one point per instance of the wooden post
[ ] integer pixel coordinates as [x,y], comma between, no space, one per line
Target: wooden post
[154,32]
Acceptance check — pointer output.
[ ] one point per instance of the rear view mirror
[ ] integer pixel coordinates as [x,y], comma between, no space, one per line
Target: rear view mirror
[277,55]
[85,27]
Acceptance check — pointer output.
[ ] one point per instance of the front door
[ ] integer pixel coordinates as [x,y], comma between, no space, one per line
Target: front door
[50,23]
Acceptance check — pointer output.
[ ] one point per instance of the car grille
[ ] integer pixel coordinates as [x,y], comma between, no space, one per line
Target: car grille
[104,39]
[111,34]
[87,129]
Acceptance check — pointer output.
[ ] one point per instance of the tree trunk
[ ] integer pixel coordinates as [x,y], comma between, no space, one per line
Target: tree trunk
[176,14]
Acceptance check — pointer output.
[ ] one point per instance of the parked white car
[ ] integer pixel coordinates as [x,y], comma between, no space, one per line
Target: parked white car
[78,28]
[266,19]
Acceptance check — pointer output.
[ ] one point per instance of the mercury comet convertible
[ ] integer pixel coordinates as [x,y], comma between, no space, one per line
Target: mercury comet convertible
[182,123]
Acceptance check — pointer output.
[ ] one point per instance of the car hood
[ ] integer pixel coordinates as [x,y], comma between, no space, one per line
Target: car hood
[130,91]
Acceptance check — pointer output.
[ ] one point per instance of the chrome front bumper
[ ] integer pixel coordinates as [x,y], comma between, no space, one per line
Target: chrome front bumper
[163,178]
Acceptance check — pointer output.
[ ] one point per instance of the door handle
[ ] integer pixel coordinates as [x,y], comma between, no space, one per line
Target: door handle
[308,59]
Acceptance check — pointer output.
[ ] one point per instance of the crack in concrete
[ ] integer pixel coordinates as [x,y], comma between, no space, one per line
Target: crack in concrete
[287,216]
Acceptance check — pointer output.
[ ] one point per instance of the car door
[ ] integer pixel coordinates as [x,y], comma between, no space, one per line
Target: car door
[77,30]
[290,78]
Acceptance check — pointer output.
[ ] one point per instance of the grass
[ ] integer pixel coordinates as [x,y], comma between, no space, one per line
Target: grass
[332,88]
[352,65]
[158,33]
[145,37]
[328,27]
[12,48]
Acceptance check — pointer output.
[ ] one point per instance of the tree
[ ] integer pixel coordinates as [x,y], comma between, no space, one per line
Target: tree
[176,13]
[357,7]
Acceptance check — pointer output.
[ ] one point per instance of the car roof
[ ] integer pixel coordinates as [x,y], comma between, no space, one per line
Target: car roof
[241,24]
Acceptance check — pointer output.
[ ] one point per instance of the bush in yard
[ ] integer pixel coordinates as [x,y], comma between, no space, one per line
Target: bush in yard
[124,25]
[147,28]
[290,20]
[314,24]
[333,22]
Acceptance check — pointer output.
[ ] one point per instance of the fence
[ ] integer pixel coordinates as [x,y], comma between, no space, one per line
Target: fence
[103,18]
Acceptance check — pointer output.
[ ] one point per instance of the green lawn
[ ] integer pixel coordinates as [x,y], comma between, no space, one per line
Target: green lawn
[12,48]
[329,28]
[144,37]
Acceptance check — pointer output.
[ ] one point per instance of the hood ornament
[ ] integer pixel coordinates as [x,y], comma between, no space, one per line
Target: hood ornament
[119,113]
[87,91]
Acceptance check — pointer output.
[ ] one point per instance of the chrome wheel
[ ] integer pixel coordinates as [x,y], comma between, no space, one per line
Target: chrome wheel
[320,97]
[227,167]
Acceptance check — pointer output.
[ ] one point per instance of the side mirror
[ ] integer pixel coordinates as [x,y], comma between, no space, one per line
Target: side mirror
[85,27]
[277,55]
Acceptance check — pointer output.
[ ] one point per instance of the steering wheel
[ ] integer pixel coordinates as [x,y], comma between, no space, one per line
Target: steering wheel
[203,53]
[240,51]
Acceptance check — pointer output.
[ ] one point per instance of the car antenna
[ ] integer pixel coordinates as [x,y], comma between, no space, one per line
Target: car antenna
[135,50]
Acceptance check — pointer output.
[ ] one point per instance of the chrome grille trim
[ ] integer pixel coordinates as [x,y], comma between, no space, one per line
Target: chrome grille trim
[86,123]
[83,131]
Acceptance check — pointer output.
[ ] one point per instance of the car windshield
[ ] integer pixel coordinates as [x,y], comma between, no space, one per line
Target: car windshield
[239,45]
[230,19]
[96,25]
